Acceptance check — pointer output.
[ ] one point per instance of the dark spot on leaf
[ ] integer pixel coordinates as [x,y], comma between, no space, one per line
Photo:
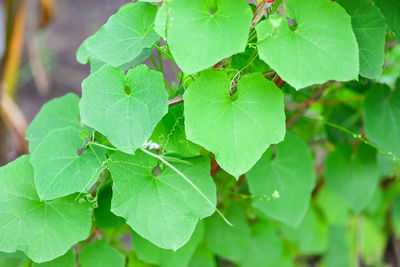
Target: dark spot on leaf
[128,90]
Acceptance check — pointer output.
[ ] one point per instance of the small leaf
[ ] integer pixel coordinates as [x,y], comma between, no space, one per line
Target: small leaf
[104,217]
[335,209]
[321,48]
[66,260]
[149,252]
[125,34]
[202,257]
[126,109]
[213,32]
[162,208]
[293,180]
[59,168]
[43,230]
[369,26]
[236,131]
[352,177]
[101,254]
[58,113]
[382,117]
[338,252]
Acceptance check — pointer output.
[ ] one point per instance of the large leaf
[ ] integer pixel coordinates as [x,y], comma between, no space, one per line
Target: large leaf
[101,254]
[237,131]
[58,113]
[352,177]
[43,230]
[125,109]
[200,34]
[321,48]
[391,10]
[124,36]
[162,208]
[170,134]
[227,241]
[59,169]
[282,172]
[149,252]
[369,26]
[382,117]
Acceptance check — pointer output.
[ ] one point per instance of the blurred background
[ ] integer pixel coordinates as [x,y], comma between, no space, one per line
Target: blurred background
[38,40]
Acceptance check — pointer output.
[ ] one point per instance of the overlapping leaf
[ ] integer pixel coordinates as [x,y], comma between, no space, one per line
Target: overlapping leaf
[43,230]
[352,177]
[101,254]
[283,173]
[391,10]
[382,117]
[236,131]
[213,30]
[322,46]
[124,36]
[60,169]
[162,208]
[125,109]
[369,27]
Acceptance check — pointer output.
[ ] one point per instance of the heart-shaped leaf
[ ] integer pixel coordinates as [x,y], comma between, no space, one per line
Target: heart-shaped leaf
[43,230]
[237,131]
[162,208]
[126,109]
[213,31]
[322,46]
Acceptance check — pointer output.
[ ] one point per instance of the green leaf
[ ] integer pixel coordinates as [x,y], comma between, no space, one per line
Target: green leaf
[321,48]
[58,113]
[43,230]
[59,169]
[265,248]
[198,38]
[126,109]
[352,176]
[66,260]
[226,241]
[236,131]
[170,134]
[382,117]
[334,208]
[162,208]
[202,257]
[293,180]
[391,10]
[338,253]
[369,27]
[104,217]
[149,252]
[101,254]
[311,236]
[125,34]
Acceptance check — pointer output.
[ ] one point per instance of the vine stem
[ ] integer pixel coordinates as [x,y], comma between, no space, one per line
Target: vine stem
[355,135]
[188,181]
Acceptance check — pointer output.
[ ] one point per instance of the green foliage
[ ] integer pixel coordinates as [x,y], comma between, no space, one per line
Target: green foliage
[247,171]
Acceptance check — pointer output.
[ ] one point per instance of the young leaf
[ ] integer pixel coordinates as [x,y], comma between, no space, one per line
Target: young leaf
[237,131]
[126,109]
[391,10]
[284,174]
[382,117]
[101,254]
[66,260]
[369,26]
[125,34]
[43,230]
[59,169]
[170,134]
[352,177]
[199,34]
[149,252]
[162,208]
[58,113]
[226,241]
[322,46]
